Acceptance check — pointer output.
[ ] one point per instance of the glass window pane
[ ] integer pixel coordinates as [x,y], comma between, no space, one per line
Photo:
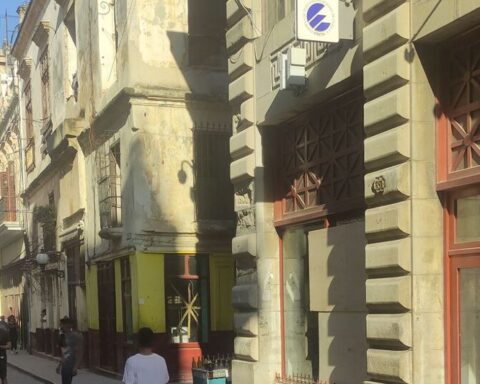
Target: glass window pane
[470,325]
[298,328]
[467,213]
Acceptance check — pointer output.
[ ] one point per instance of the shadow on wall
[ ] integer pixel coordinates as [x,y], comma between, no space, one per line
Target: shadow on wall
[150,179]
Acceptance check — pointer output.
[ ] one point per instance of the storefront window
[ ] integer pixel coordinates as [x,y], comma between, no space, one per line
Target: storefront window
[301,327]
[467,213]
[186,290]
[469,325]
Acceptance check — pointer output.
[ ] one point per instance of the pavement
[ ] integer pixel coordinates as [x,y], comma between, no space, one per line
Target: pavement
[43,370]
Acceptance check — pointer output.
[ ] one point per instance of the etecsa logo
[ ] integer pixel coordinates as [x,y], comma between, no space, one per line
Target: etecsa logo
[319,17]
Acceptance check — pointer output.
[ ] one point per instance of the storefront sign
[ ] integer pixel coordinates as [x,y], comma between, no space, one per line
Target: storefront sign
[318,20]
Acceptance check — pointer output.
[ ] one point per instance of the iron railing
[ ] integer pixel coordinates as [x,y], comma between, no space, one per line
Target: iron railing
[298,379]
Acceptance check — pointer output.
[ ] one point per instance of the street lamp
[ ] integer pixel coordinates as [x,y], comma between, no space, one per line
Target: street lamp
[43,259]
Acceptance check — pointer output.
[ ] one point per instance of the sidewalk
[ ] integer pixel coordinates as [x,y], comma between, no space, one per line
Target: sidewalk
[43,369]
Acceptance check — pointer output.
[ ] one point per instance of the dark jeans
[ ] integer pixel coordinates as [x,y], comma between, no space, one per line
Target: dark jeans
[67,374]
[14,338]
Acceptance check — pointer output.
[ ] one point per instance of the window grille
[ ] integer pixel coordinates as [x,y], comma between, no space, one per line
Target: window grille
[109,188]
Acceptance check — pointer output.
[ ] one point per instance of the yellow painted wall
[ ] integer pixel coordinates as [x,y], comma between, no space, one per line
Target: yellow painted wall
[221,283]
[149,299]
[118,295]
[134,274]
[92,297]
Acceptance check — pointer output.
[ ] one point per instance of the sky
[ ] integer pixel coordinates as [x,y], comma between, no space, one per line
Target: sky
[10,7]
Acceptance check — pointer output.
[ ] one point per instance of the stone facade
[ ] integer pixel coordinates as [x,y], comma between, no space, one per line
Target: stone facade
[392,59]
[126,135]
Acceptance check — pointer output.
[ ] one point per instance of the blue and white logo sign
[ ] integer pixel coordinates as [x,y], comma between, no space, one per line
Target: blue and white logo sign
[317,20]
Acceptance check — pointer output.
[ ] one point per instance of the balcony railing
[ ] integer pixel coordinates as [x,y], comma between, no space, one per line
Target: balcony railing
[30,155]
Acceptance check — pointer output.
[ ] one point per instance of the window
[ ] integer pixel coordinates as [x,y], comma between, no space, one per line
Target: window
[300,325]
[211,151]
[46,117]
[30,147]
[459,132]
[320,161]
[7,190]
[206,33]
[276,10]
[186,291]
[127,299]
[109,186]
[76,276]
[71,88]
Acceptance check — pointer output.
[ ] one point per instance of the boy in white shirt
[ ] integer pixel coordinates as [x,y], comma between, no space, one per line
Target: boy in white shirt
[145,367]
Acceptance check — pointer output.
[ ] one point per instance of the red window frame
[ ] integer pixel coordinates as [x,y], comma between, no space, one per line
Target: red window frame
[457,256]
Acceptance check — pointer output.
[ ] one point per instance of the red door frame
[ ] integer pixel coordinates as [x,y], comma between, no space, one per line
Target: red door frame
[464,255]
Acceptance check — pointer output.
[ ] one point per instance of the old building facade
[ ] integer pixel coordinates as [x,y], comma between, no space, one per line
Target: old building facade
[126,133]
[54,187]
[13,299]
[356,196]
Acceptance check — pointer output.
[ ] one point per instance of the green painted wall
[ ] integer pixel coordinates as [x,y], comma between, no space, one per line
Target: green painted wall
[92,297]
[149,295]
[222,278]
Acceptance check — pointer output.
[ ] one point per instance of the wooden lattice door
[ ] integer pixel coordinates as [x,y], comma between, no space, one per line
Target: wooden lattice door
[459,127]
[321,161]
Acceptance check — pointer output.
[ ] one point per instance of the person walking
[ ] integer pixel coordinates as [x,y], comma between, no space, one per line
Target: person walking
[13,327]
[145,367]
[71,347]
[4,346]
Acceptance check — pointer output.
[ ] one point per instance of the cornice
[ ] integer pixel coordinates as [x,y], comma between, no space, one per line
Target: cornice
[40,36]
[25,68]
[27,27]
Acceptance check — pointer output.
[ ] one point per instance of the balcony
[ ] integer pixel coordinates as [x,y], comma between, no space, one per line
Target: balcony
[60,143]
[10,228]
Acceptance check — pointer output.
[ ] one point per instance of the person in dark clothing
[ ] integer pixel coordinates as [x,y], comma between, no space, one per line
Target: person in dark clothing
[13,326]
[4,345]
[72,350]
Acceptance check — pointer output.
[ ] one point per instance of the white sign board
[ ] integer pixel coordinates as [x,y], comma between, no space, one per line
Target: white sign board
[318,20]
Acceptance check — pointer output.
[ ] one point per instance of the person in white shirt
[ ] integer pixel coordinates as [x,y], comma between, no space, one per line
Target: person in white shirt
[145,367]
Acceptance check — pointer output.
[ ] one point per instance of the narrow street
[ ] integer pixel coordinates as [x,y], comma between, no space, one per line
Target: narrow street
[16,377]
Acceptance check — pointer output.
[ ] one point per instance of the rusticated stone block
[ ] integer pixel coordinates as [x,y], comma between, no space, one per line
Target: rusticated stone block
[243,371]
[245,245]
[388,185]
[246,323]
[387,111]
[243,143]
[239,34]
[385,74]
[246,348]
[387,33]
[244,249]
[387,148]
[394,366]
[236,9]
[373,9]
[242,169]
[388,222]
[392,256]
[245,296]
[393,329]
[390,293]
[241,88]
[241,61]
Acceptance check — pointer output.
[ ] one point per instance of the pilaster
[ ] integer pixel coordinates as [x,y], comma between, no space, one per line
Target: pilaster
[404,216]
